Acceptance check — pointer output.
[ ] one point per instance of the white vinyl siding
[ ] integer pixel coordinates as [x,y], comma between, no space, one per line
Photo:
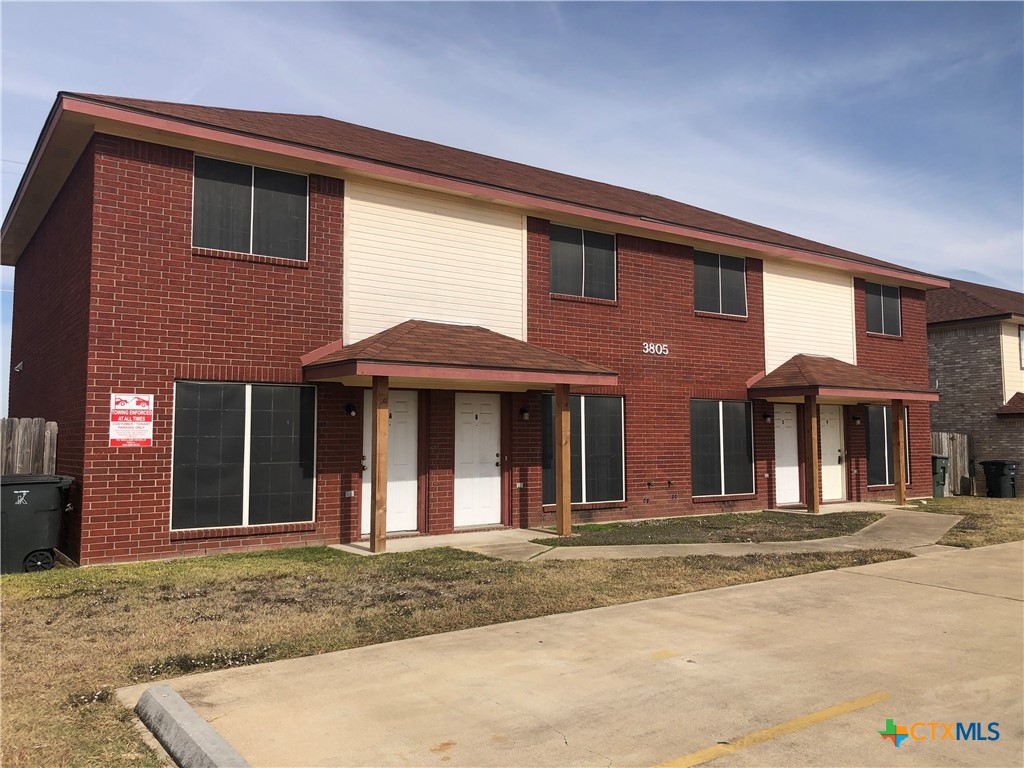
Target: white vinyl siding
[416,254]
[807,311]
[1013,373]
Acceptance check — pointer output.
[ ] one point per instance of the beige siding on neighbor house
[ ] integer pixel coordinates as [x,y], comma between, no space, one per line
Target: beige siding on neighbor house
[807,311]
[415,254]
[1013,374]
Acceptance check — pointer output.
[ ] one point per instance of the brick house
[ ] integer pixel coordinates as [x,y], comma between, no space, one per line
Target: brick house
[976,358]
[350,333]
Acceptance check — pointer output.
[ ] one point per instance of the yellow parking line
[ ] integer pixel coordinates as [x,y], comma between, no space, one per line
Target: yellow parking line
[758,737]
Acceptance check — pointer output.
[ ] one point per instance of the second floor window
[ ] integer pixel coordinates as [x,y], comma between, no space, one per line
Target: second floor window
[719,284]
[247,209]
[582,262]
[883,308]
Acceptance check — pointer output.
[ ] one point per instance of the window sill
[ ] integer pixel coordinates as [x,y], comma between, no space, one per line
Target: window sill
[242,530]
[720,316]
[252,258]
[885,336]
[583,507]
[729,497]
[583,299]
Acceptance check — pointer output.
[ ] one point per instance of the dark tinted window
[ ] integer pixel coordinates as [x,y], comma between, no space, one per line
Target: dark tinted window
[281,467]
[882,304]
[879,445]
[279,214]
[721,442]
[705,448]
[210,471]
[223,205]
[582,262]
[600,459]
[719,284]
[209,455]
[249,210]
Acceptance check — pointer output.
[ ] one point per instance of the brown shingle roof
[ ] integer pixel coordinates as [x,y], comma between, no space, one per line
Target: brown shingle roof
[814,374]
[1014,406]
[422,343]
[439,160]
[969,301]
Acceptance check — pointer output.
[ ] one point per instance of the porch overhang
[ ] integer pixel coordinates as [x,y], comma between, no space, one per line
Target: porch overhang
[833,381]
[418,354]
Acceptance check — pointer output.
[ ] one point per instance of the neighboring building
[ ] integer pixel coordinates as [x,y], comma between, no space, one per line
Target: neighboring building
[976,358]
[299,295]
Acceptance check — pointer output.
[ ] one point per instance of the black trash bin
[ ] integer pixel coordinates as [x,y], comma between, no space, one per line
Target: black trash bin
[31,508]
[1000,479]
[940,476]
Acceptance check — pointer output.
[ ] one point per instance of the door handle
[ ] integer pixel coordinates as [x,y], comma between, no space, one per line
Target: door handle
[497,463]
[839,459]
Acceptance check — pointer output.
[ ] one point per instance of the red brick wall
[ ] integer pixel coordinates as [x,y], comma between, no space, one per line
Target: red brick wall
[440,461]
[51,323]
[162,311]
[904,357]
[709,357]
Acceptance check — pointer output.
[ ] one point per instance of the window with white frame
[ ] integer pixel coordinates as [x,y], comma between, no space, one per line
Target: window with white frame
[721,447]
[248,209]
[879,445]
[582,262]
[719,284]
[597,452]
[243,454]
[883,308]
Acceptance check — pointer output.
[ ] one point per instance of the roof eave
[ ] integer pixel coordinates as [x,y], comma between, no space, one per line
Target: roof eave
[845,392]
[110,116]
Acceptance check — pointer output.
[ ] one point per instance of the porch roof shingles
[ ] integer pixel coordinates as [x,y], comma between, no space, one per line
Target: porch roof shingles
[817,374]
[422,347]
[1014,406]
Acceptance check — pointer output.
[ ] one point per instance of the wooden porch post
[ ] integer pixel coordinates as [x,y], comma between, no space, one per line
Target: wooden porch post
[563,473]
[812,463]
[899,455]
[379,476]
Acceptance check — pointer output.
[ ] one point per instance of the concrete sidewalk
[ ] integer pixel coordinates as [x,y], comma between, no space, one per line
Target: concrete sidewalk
[813,664]
[912,530]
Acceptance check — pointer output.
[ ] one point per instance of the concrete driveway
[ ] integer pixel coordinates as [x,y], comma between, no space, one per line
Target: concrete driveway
[803,671]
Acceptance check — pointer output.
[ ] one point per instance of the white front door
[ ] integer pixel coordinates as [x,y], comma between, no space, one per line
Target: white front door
[403,469]
[833,458]
[477,459]
[787,455]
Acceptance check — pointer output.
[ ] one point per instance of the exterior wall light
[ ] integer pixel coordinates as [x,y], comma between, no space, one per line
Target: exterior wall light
[767,418]
[350,409]
[525,413]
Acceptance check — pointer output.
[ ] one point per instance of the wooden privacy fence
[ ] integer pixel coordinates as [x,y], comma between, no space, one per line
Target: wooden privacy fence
[28,446]
[955,445]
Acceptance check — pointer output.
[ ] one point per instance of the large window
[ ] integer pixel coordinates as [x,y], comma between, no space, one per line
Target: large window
[247,209]
[879,439]
[883,308]
[719,284]
[582,262]
[721,447]
[243,454]
[596,448]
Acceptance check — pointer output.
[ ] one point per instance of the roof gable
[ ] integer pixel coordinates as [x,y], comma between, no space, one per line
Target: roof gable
[971,301]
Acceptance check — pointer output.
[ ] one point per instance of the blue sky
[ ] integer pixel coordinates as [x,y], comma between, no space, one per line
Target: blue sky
[890,129]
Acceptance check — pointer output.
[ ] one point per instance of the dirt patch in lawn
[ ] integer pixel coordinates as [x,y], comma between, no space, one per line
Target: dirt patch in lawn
[71,637]
[986,521]
[717,529]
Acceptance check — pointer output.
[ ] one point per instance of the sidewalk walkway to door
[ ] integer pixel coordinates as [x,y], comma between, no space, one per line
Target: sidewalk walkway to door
[907,529]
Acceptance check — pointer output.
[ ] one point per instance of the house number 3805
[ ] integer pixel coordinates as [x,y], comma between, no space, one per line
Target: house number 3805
[655,349]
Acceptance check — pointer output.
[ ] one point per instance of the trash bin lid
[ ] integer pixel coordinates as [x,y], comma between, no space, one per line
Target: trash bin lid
[32,479]
[939,456]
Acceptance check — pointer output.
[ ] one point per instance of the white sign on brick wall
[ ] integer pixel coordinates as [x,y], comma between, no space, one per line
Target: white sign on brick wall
[131,420]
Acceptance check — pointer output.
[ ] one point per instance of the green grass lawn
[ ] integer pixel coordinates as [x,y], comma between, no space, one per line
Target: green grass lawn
[717,529]
[70,637]
[986,521]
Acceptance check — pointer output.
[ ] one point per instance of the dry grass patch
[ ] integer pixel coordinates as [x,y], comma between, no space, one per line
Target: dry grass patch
[717,529]
[986,521]
[70,637]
